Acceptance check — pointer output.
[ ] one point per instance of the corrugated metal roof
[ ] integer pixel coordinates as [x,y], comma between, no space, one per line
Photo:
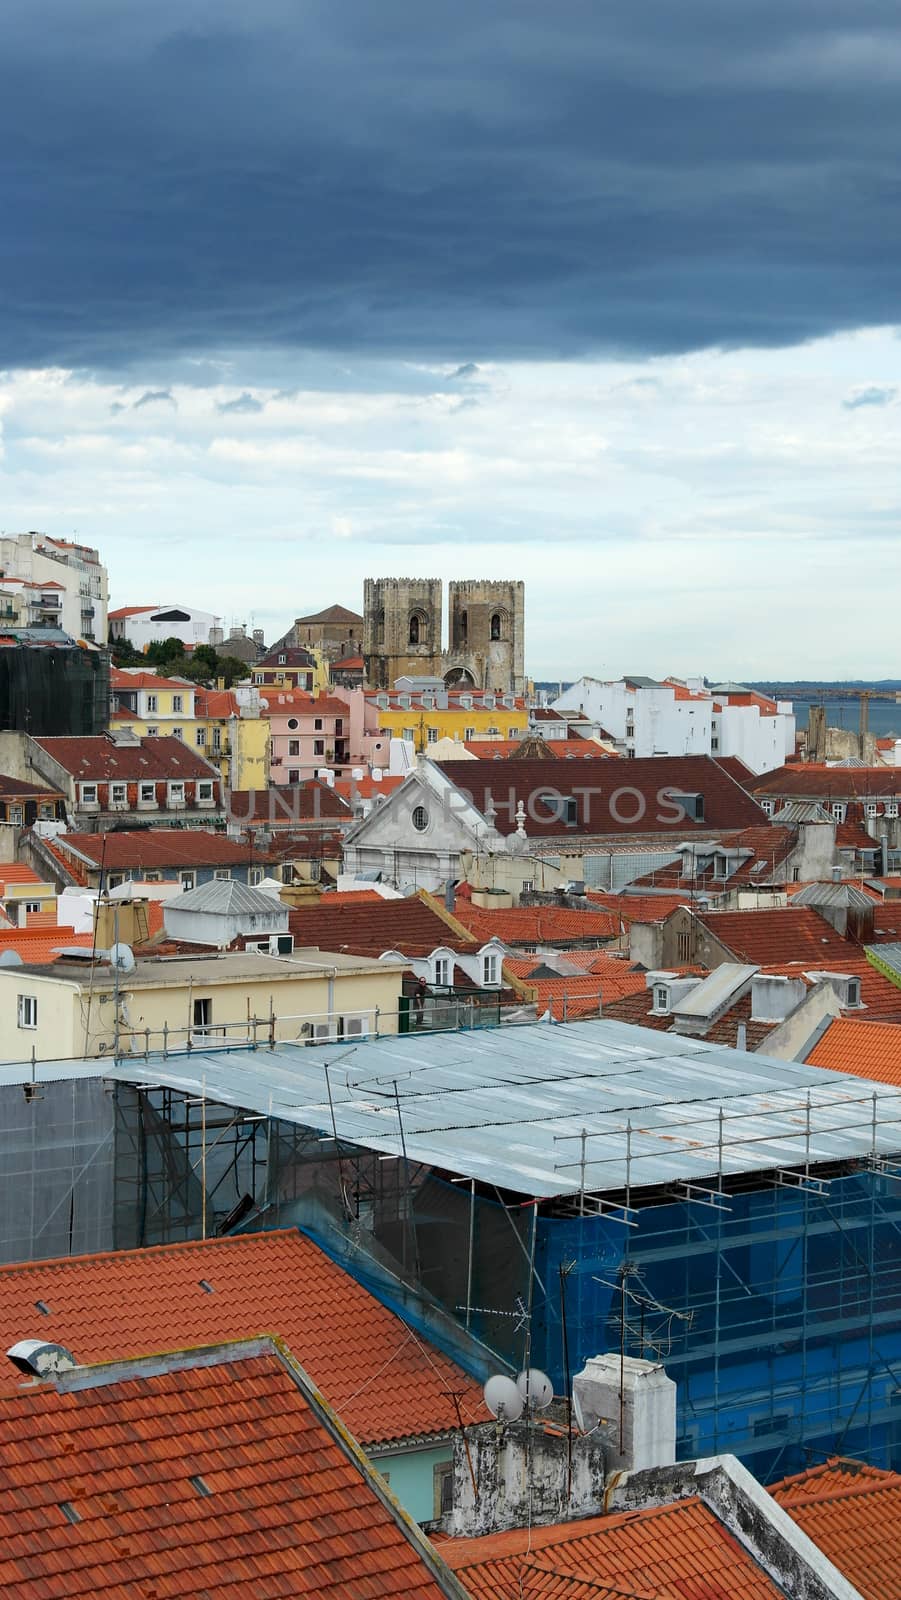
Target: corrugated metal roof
[832,894]
[228,896]
[508,1105]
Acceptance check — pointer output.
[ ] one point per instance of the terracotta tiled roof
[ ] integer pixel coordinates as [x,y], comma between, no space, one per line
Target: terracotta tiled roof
[412,925]
[811,781]
[12,789]
[132,1302]
[198,1480]
[791,934]
[853,1513]
[120,679]
[852,835]
[866,1049]
[666,1552]
[368,788]
[38,946]
[277,702]
[637,1010]
[96,758]
[215,704]
[618,797]
[576,996]
[640,907]
[348,664]
[139,849]
[536,924]
[12,872]
[129,611]
[769,844]
[560,749]
[283,804]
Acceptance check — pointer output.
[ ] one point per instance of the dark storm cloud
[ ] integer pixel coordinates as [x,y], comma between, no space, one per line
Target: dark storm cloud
[872,396]
[512,178]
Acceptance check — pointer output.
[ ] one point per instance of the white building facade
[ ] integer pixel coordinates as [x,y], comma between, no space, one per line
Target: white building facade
[76,596]
[686,717]
[145,625]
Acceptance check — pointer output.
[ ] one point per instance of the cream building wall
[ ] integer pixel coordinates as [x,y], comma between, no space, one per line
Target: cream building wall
[312,995]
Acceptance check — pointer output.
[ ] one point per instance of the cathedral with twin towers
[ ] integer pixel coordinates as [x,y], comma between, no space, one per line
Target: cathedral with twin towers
[403,633]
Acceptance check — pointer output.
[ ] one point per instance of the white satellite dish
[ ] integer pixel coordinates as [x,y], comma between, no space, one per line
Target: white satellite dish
[123,957]
[503,1399]
[536,1389]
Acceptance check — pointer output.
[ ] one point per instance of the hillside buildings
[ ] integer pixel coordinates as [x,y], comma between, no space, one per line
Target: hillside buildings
[54,582]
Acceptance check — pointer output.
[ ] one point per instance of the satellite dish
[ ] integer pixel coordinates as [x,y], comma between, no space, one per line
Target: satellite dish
[11,958]
[123,957]
[536,1389]
[503,1399]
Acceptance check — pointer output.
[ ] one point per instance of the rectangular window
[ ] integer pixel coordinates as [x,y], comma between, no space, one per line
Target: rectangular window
[205,789]
[489,968]
[317,724]
[255,875]
[200,738]
[339,726]
[153,733]
[293,775]
[28,1011]
[147,793]
[151,702]
[410,734]
[152,877]
[683,946]
[202,1015]
[222,872]
[119,794]
[89,794]
[891,808]
[187,881]
[441,969]
[432,735]
[528,885]
[176,793]
[469,733]
[178,703]
[871,809]
[178,733]
[512,733]
[838,811]
[294,747]
[319,747]
[15,814]
[768,806]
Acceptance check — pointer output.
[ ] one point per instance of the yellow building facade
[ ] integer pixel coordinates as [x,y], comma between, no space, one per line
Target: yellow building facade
[238,997]
[425,725]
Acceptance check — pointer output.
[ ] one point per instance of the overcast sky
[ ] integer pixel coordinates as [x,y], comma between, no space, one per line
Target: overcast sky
[601,297]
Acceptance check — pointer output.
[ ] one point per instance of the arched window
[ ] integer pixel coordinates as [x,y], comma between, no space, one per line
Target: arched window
[414,629]
[495,625]
[380,626]
[464,626]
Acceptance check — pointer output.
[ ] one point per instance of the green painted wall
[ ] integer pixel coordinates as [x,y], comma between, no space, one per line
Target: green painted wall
[411,1477]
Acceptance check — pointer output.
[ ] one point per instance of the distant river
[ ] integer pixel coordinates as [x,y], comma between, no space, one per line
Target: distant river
[885,716]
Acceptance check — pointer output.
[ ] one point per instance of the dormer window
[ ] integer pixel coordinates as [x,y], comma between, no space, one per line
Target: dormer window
[721,866]
[838,811]
[853,992]
[661,998]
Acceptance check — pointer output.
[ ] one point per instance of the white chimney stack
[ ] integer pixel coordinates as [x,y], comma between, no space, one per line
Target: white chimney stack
[633,1403]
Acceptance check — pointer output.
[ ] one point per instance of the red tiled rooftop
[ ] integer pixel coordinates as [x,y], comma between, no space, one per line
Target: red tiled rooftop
[368,788]
[853,1513]
[96,758]
[38,947]
[865,1049]
[198,1480]
[536,924]
[141,848]
[414,926]
[640,907]
[133,1302]
[812,781]
[662,1553]
[577,995]
[792,934]
[617,797]
[13,872]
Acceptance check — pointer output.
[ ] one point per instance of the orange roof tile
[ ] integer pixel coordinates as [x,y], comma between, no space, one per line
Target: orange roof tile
[665,1552]
[792,934]
[132,1302]
[578,995]
[865,1049]
[16,872]
[203,1479]
[848,1510]
[536,924]
[640,907]
[39,947]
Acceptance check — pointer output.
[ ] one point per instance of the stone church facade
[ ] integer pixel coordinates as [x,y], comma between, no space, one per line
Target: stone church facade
[403,633]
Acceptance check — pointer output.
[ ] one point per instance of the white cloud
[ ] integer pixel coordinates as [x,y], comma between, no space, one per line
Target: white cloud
[718,510]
